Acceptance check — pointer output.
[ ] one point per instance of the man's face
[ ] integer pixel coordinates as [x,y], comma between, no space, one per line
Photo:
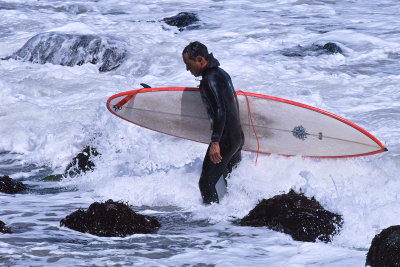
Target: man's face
[194,66]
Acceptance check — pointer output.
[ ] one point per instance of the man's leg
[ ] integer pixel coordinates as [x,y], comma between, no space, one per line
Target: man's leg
[211,172]
[209,177]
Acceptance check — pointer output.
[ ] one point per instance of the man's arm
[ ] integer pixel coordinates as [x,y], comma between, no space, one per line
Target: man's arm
[218,121]
[219,110]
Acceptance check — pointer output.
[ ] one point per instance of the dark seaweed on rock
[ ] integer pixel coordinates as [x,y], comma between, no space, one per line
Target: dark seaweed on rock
[110,219]
[4,229]
[11,186]
[294,214]
[72,49]
[385,248]
[183,20]
[313,50]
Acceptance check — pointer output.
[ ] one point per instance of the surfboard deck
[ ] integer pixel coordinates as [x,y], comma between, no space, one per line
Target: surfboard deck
[271,125]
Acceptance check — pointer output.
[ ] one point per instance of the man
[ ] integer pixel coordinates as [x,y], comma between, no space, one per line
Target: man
[219,98]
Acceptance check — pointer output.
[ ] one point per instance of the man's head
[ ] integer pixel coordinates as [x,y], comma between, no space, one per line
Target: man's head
[195,56]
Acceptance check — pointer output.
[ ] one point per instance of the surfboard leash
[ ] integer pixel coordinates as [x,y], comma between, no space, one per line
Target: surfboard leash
[252,125]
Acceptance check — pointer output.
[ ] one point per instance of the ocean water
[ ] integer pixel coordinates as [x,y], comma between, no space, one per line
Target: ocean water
[50,112]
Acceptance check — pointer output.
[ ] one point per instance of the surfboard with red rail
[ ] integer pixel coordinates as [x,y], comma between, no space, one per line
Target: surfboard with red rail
[271,125]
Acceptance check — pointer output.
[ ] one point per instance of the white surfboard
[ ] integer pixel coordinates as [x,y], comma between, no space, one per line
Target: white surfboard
[271,125]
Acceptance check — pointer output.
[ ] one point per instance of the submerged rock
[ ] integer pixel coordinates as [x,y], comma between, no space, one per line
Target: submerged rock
[183,20]
[4,229]
[385,248]
[72,49]
[294,214]
[82,162]
[313,50]
[52,178]
[11,186]
[110,219]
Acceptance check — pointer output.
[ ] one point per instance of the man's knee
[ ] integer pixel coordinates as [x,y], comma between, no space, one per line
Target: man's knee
[203,184]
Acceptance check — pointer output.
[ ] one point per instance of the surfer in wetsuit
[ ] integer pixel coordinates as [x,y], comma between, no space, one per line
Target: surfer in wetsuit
[219,98]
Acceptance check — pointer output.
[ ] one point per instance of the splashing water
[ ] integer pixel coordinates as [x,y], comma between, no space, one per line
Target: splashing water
[50,112]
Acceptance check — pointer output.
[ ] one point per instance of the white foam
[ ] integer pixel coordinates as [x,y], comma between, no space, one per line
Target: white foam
[50,112]
[75,27]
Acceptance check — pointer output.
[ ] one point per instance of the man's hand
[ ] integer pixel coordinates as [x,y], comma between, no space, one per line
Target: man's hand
[215,155]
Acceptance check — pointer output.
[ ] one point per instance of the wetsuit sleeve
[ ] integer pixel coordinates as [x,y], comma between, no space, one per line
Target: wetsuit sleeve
[219,109]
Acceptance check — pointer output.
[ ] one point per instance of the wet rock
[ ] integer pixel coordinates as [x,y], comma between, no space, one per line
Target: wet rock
[72,49]
[82,162]
[184,20]
[294,214]
[110,219]
[52,178]
[332,48]
[4,229]
[385,248]
[313,50]
[11,186]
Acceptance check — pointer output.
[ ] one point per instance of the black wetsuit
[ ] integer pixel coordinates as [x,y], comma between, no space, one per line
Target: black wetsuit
[220,100]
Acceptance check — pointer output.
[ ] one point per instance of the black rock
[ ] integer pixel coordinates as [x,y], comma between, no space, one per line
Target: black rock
[110,219]
[313,50]
[11,186]
[4,229]
[82,162]
[72,49]
[183,20]
[332,48]
[385,248]
[294,214]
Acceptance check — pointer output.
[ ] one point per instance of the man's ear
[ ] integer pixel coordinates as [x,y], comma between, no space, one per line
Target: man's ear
[200,59]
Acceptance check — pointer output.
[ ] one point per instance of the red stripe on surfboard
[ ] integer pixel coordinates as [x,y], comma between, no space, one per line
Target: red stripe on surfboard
[145,90]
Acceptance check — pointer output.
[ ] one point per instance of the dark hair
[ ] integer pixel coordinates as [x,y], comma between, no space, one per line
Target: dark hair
[195,49]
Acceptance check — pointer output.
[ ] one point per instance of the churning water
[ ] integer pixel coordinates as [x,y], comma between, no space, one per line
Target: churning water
[50,112]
